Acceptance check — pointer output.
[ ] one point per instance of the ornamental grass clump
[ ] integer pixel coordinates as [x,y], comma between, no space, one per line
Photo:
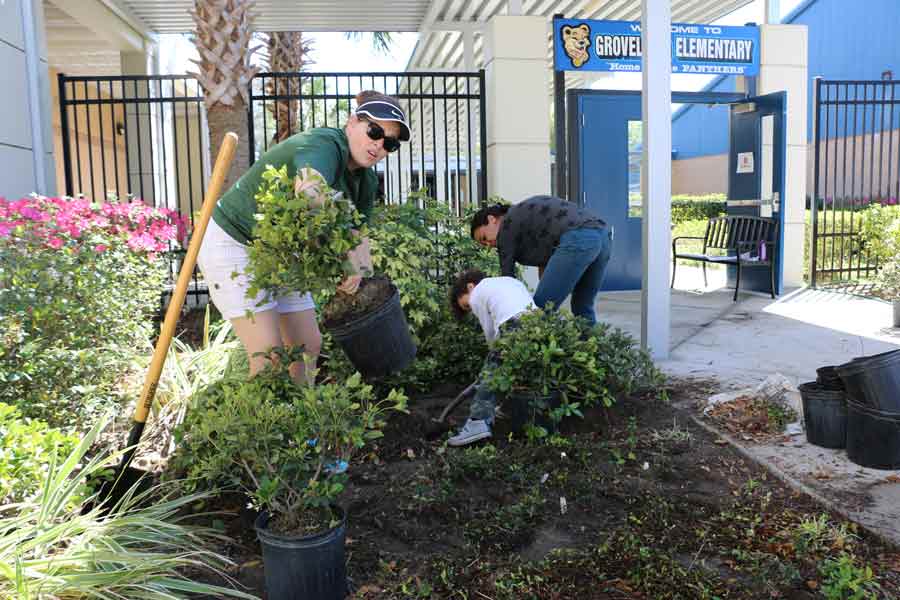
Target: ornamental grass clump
[286,446]
[302,236]
[79,284]
[140,548]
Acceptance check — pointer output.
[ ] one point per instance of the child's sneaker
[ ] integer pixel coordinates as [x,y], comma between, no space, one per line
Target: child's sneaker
[472,431]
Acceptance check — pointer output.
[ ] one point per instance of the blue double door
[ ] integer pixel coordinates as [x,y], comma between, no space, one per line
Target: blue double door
[605,147]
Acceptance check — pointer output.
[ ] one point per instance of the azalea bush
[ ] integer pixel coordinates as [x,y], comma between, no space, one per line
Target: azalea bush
[287,446]
[302,235]
[79,283]
[552,357]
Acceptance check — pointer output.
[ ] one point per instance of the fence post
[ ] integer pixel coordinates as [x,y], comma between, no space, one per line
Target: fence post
[64,126]
[814,200]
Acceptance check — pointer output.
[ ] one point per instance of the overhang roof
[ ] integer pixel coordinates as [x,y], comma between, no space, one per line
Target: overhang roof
[172,16]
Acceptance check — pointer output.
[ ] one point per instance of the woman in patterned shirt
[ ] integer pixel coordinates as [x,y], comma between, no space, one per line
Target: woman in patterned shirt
[569,245]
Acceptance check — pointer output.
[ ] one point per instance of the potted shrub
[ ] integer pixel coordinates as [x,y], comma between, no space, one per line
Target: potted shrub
[553,365]
[287,448]
[303,236]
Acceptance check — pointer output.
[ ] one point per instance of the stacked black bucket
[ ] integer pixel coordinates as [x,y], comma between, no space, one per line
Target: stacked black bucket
[857,406]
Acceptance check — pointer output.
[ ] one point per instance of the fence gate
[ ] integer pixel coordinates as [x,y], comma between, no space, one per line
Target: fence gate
[857,163]
[446,154]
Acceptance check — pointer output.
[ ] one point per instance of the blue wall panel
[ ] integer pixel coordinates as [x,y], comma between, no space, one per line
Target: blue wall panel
[847,40]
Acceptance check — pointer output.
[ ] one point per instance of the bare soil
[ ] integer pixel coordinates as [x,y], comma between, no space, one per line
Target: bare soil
[344,308]
[637,502]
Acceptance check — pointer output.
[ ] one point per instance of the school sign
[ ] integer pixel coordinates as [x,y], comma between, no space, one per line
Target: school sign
[588,45]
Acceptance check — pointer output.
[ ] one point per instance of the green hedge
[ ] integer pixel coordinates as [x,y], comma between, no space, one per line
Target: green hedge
[691,208]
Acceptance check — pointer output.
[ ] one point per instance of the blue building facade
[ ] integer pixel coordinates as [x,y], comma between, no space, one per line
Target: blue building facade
[848,39]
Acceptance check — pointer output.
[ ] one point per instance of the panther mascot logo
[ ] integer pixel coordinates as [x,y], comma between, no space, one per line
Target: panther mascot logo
[576,41]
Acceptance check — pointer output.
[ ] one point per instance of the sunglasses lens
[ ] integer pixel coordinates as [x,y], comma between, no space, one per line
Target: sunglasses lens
[375,132]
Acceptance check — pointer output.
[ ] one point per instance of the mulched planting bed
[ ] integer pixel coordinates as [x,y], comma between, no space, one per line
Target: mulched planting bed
[637,502]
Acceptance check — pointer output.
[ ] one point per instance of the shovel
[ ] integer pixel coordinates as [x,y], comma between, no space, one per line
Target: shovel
[127,476]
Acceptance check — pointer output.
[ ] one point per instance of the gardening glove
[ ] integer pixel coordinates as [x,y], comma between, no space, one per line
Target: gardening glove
[361,262]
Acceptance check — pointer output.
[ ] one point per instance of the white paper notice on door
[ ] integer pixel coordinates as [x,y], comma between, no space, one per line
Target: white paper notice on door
[745,162]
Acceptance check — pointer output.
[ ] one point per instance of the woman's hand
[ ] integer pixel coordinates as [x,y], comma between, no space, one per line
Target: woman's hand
[309,181]
[361,260]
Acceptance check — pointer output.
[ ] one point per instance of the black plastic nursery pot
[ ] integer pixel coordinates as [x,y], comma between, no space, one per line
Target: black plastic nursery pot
[824,415]
[873,437]
[828,378]
[529,409]
[307,567]
[873,380]
[378,343]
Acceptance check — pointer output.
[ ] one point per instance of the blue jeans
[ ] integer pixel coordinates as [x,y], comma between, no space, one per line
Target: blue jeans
[576,267]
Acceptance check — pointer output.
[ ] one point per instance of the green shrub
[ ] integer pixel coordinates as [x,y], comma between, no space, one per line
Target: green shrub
[302,237]
[79,283]
[879,233]
[421,246]
[843,579]
[280,442]
[137,549]
[551,353]
[691,208]
[27,447]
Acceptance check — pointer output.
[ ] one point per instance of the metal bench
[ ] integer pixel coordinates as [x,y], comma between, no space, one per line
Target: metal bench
[735,240]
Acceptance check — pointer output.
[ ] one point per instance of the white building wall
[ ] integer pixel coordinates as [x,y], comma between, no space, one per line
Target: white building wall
[26,143]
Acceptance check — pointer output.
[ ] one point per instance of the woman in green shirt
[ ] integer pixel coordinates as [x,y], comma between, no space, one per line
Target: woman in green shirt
[344,158]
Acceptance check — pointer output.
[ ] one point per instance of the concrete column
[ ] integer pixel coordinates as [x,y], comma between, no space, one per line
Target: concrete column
[656,176]
[518,107]
[140,126]
[783,67]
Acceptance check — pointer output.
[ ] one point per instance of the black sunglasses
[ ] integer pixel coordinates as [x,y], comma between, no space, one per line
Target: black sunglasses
[376,132]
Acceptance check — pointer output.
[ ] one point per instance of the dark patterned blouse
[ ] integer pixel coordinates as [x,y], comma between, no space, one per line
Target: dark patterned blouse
[531,230]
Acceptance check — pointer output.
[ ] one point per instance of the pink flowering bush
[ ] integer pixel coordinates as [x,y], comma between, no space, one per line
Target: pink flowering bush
[79,285]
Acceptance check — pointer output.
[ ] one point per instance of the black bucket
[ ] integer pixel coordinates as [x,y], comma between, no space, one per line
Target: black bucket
[824,415]
[873,437]
[529,409]
[873,380]
[378,343]
[302,568]
[828,378]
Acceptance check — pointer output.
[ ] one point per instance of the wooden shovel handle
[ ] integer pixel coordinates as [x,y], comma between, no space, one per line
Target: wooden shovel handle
[213,191]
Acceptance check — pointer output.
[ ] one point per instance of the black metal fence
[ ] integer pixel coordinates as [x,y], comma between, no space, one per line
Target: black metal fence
[447,153]
[855,165]
[135,136]
[145,136]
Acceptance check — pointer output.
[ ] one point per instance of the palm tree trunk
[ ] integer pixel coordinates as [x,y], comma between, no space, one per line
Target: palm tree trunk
[223,33]
[288,53]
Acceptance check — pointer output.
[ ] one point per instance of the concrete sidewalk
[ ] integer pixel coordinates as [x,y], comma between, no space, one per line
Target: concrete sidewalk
[739,344]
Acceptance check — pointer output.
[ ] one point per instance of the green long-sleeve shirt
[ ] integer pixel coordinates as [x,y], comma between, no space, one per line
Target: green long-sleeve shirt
[324,149]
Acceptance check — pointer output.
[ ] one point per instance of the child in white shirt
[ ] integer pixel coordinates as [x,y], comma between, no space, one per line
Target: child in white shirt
[496,302]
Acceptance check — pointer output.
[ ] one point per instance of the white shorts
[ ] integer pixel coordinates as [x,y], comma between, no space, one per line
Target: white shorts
[220,256]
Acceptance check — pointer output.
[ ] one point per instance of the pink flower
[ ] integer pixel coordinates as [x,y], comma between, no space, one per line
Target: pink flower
[100,248]
[55,243]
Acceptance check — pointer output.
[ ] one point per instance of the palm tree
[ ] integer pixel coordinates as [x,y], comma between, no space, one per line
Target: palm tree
[381,40]
[223,32]
[288,52]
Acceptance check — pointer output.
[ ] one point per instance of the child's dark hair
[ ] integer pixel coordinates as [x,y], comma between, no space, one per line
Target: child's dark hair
[481,217]
[461,287]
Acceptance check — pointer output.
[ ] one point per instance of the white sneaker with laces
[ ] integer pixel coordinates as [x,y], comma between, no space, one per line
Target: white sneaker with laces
[472,431]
